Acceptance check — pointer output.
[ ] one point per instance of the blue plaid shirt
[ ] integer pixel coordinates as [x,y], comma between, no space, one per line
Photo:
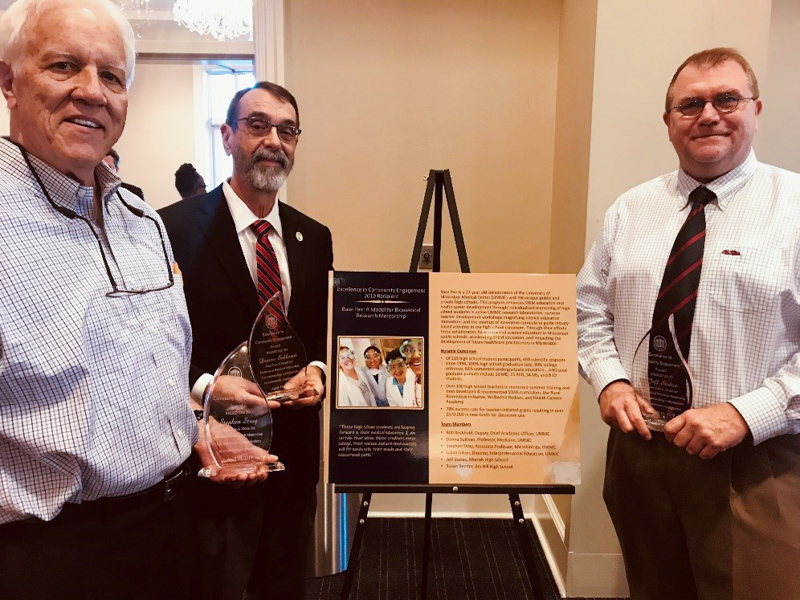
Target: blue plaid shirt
[93,390]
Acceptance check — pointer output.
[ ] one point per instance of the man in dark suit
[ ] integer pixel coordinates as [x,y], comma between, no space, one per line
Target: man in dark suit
[256,537]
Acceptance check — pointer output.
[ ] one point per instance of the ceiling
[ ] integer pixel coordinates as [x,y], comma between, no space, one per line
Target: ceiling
[157,33]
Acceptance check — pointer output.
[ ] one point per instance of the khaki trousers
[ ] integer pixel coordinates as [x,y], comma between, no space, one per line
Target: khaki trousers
[720,529]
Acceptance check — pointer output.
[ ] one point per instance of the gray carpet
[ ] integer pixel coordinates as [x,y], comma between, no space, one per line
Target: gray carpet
[471,559]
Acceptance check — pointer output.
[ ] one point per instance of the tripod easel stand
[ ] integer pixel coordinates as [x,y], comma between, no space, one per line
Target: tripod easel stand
[440,186]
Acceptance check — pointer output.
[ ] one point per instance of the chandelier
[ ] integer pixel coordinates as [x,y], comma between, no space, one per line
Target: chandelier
[135,8]
[137,12]
[223,19]
[133,4]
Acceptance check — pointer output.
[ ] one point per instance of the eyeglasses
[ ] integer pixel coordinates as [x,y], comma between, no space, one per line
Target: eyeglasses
[724,103]
[258,126]
[372,355]
[346,355]
[409,348]
[117,292]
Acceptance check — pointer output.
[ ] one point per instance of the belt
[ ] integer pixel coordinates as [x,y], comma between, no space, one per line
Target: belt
[163,491]
[160,493]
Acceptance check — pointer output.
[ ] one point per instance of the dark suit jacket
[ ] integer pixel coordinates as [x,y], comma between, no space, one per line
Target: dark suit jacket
[133,188]
[223,304]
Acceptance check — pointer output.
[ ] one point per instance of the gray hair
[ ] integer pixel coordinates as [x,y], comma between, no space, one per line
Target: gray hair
[16,21]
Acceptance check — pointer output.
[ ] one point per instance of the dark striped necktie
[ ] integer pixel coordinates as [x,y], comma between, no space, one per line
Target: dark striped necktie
[678,293]
[268,272]
[678,297]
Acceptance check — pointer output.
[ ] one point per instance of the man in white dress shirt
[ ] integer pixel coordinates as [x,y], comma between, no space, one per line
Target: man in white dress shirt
[710,508]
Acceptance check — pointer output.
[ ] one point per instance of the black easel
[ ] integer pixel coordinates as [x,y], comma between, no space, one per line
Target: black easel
[523,532]
[440,182]
[440,185]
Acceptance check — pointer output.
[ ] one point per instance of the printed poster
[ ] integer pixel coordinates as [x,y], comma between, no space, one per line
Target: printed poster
[452,379]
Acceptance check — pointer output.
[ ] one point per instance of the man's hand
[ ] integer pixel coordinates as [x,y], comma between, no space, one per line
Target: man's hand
[309,382]
[233,450]
[231,447]
[622,407]
[705,432]
[238,390]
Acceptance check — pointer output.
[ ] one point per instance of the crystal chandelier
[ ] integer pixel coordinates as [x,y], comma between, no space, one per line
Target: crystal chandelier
[135,7]
[138,12]
[223,19]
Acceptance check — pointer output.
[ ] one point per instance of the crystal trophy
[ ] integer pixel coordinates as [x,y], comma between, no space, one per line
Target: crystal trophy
[662,375]
[237,429]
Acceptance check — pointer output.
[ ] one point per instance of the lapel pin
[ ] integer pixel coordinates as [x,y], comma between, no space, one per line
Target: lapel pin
[299,236]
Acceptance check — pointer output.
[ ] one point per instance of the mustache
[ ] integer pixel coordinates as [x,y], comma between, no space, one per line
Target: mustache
[277,156]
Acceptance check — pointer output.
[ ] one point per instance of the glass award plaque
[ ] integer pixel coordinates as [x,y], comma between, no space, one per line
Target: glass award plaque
[239,426]
[662,375]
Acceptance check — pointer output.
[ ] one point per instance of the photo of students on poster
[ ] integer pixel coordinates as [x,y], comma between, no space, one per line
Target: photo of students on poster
[380,373]
[377,418]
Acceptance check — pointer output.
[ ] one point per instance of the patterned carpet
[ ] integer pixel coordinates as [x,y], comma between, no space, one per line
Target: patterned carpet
[471,559]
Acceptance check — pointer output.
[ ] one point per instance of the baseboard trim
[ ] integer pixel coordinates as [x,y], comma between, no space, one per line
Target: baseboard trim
[550,529]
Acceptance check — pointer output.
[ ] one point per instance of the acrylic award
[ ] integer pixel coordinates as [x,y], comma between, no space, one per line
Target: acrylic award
[238,429]
[662,375]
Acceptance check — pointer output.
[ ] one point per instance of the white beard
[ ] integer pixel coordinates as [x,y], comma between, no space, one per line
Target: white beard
[268,180]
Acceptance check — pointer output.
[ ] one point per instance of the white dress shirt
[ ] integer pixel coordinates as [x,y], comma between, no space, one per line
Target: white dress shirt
[745,346]
[243,218]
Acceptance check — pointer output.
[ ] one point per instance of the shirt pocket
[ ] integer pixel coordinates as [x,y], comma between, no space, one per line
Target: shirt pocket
[747,279]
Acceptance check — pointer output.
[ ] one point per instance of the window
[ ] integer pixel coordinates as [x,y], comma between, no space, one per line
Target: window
[221,82]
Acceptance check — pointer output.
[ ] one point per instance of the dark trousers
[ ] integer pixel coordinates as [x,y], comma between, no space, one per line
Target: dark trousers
[99,551]
[279,571]
[720,529]
[255,539]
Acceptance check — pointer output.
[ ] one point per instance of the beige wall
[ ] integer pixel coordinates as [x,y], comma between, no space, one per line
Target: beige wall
[391,89]
[567,229]
[160,131]
[573,123]
[544,111]
[387,91]
[779,133]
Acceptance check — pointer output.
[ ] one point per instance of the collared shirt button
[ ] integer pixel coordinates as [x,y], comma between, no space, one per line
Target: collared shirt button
[181,434]
[171,382]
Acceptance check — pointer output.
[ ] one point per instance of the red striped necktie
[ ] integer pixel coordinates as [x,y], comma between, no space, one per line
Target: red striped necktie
[678,294]
[268,272]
